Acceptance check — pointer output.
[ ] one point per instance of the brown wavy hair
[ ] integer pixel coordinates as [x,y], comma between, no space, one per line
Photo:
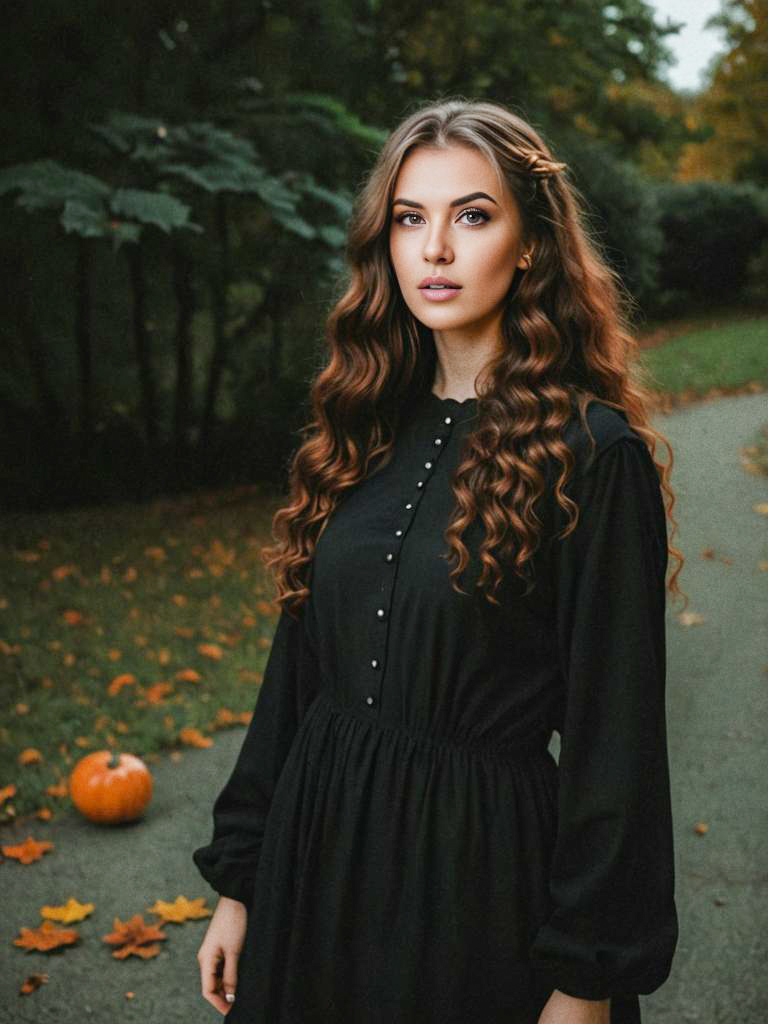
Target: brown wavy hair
[566,340]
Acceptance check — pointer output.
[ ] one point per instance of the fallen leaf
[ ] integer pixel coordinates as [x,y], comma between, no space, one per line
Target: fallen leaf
[28,851]
[156,693]
[72,617]
[701,828]
[211,651]
[187,675]
[181,909]
[30,755]
[57,789]
[135,937]
[27,556]
[44,813]
[761,508]
[21,708]
[32,983]
[69,912]
[125,679]
[46,937]
[194,738]
[63,571]
[7,792]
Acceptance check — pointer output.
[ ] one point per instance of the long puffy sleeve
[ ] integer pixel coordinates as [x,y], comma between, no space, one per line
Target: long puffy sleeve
[289,683]
[613,927]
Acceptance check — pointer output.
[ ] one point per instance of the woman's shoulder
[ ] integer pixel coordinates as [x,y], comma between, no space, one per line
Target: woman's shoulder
[608,426]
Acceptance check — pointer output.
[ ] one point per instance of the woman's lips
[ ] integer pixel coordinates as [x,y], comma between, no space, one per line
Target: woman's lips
[439,294]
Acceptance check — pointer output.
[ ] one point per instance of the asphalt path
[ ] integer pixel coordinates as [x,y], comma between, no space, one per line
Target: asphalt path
[717,711]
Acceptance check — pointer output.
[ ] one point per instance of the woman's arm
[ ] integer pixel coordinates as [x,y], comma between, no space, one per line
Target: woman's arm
[229,861]
[613,926]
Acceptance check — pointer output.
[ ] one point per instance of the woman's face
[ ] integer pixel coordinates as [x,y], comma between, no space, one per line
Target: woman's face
[443,227]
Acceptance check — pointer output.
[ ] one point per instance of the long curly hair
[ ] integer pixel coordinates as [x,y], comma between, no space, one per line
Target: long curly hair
[566,340]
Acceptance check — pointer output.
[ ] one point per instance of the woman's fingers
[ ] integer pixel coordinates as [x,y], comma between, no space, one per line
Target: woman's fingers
[218,976]
[229,978]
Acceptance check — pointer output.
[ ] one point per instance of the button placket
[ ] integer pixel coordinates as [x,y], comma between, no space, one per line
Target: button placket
[384,601]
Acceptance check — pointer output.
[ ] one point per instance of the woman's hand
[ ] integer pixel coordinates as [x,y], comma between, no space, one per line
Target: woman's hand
[563,1009]
[219,952]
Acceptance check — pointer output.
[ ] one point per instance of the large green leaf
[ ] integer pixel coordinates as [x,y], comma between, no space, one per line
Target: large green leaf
[164,211]
[47,185]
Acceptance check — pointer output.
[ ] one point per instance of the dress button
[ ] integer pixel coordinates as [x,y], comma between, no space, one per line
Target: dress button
[438,440]
[448,420]
[427,465]
[374,662]
[409,505]
[389,556]
[398,533]
[370,700]
[380,612]
[420,483]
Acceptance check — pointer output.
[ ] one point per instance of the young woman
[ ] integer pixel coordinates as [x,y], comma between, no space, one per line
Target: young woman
[473,556]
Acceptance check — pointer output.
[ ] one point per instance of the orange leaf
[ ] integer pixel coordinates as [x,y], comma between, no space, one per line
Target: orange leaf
[57,789]
[194,738]
[62,571]
[72,617]
[187,675]
[158,554]
[157,692]
[69,912]
[27,556]
[30,755]
[31,983]
[134,936]
[45,937]
[180,600]
[211,651]
[21,709]
[28,851]
[126,679]
[7,792]
[44,814]
[181,909]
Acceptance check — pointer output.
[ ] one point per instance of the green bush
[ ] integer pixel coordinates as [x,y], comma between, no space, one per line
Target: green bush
[713,236]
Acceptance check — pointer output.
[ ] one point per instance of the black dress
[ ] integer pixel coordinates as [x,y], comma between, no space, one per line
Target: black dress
[408,849]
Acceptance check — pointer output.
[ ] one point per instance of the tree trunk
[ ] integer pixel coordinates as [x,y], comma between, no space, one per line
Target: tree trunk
[84,343]
[184,290]
[142,346]
[219,284]
[276,346]
[52,414]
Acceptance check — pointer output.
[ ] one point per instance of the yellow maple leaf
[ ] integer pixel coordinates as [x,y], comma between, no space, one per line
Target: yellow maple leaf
[69,912]
[181,909]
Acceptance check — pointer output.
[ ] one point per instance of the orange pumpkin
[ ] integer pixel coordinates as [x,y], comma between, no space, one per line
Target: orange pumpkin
[108,787]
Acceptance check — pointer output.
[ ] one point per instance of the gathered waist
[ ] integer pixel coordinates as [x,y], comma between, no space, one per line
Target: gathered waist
[521,749]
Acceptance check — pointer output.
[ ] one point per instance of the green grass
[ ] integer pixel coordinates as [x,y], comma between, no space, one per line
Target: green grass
[151,583]
[727,357]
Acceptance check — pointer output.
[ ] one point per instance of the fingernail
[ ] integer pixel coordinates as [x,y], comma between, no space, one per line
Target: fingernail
[229,996]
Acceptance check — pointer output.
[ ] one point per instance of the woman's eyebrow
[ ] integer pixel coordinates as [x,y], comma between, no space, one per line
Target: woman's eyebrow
[454,202]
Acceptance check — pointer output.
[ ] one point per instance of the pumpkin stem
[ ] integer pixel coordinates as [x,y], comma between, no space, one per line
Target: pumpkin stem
[114,761]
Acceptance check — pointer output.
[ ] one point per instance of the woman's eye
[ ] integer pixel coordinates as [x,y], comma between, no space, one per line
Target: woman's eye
[477,213]
[403,218]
